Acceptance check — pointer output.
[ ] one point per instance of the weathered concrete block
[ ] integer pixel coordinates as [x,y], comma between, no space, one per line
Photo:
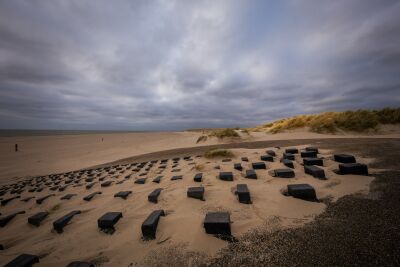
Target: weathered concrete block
[149,226]
[90,196]
[302,191]
[226,176]
[196,192]
[271,153]
[157,179]
[315,171]
[37,218]
[288,156]
[60,223]
[267,158]
[198,177]
[5,219]
[344,158]
[292,150]
[308,154]
[243,193]
[80,264]
[67,196]
[288,163]
[284,173]
[217,223]
[313,161]
[259,165]
[108,220]
[23,260]
[140,181]
[153,196]
[123,194]
[238,166]
[176,177]
[251,174]
[353,168]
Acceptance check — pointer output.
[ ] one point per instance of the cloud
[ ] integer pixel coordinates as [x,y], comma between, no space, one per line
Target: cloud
[165,65]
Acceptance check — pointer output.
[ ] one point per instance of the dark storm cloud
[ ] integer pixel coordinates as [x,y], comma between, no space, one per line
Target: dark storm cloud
[189,64]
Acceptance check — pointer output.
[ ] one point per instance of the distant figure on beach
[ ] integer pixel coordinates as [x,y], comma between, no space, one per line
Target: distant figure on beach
[101,139]
[16,147]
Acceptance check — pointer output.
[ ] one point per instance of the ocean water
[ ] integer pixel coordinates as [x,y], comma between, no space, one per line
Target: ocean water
[13,133]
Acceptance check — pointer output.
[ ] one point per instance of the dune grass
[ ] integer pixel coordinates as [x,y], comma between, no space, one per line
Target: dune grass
[218,153]
[331,122]
[222,133]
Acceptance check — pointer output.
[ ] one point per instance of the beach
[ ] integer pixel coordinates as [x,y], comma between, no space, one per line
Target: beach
[182,225]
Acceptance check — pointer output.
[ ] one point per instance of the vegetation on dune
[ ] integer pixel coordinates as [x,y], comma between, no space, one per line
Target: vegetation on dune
[222,133]
[215,153]
[331,122]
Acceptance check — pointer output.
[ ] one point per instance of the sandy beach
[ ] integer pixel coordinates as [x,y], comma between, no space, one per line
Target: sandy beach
[182,224]
[43,155]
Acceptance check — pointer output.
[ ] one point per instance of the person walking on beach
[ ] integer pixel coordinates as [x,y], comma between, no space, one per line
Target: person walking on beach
[16,147]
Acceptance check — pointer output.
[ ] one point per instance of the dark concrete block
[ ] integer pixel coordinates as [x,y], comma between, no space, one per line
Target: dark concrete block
[157,179]
[27,199]
[217,223]
[88,186]
[60,223]
[140,181]
[67,197]
[196,192]
[302,191]
[198,177]
[271,153]
[40,200]
[313,161]
[226,176]
[108,220]
[244,159]
[344,158]
[292,150]
[149,226]
[288,163]
[80,264]
[311,148]
[106,183]
[54,188]
[315,171]
[153,196]
[90,196]
[308,154]
[284,173]
[353,168]
[5,219]
[37,218]
[243,193]
[259,165]
[238,166]
[288,156]
[123,194]
[23,260]
[7,200]
[251,174]
[176,177]
[267,158]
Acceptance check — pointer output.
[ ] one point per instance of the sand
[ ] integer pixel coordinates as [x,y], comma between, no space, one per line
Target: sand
[183,223]
[42,155]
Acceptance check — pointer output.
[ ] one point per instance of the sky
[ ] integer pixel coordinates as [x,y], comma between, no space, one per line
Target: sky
[171,65]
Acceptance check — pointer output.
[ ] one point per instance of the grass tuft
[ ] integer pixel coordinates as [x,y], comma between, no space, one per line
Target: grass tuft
[216,153]
[222,133]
